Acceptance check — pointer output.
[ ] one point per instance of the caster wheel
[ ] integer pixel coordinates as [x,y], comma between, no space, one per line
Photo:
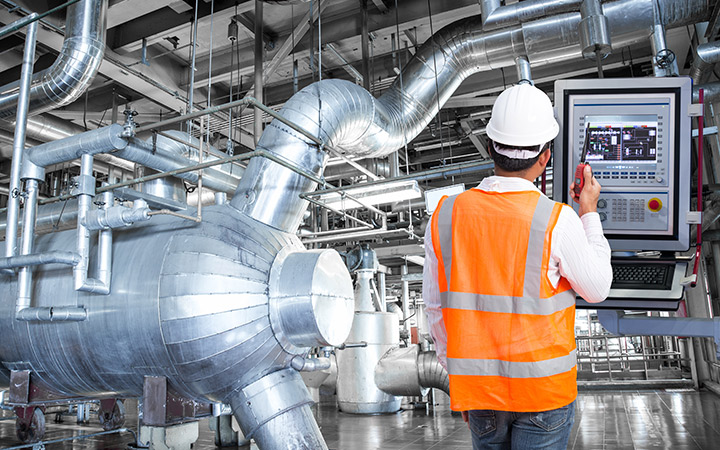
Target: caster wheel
[32,429]
[112,420]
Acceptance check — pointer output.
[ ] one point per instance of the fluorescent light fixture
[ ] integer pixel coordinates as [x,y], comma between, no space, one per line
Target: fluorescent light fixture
[433,196]
[373,194]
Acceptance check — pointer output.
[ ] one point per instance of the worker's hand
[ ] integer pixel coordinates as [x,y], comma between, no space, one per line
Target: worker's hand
[465,416]
[590,194]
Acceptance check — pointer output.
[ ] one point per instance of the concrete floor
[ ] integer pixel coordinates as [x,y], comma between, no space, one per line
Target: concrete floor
[629,419]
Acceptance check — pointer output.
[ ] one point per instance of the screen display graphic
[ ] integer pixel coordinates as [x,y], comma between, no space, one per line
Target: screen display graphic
[621,138]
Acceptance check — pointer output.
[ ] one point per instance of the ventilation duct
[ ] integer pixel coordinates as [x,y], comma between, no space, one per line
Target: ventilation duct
[350,119]
[706,56]
[76,66]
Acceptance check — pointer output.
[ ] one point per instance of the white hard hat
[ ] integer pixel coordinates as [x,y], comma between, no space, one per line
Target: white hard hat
[522,116]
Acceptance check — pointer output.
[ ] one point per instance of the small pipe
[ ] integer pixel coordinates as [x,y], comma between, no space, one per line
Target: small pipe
[523,70]
[405,297]
[19,139]
[53,314]
[309,364]
[39,259]
[167,212]
[80,271]
[480,165]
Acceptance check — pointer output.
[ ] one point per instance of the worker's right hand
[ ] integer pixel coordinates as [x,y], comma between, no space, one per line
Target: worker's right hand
[465,416]
[590,194]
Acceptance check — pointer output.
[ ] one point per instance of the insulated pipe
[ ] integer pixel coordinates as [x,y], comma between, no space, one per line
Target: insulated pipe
[664,60]
[353,121]
[80,272]
[521,12]
[523,70]
[101,140]
[594,34]
[52,217]
[39,259]
[706,56]
[24,296]
[487,7]
[161,160]
[19,138]
[74,69]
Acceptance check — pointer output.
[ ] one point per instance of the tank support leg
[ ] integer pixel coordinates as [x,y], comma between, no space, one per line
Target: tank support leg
[226,434]
[30,423]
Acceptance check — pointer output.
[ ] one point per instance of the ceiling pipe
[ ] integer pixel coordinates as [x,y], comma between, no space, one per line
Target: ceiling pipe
[350,119]
[664,61]
[73,70]
[521,12]
[487,7]
[706,56]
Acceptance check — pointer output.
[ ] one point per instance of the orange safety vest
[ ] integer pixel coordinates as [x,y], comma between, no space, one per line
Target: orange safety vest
[510,333]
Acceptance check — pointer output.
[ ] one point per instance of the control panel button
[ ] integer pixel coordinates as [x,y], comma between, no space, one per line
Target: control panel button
[654,204]
[603,217]
[602,203]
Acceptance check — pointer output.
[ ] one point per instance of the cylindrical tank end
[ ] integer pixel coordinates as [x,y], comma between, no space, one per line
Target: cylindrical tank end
[275,412]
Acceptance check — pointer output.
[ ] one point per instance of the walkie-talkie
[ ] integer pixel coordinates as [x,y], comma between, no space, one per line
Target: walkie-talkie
[580,169]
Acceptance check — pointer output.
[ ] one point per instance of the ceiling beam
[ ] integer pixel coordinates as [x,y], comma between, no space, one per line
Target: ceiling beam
[128,37]
[123,11]
[381,6]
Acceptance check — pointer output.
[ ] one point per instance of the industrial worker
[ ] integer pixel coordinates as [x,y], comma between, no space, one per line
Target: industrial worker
[503,266]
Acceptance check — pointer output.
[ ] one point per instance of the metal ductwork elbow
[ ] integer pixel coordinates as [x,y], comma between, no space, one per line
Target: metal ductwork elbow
[408,371]
[706,56]
[73,70]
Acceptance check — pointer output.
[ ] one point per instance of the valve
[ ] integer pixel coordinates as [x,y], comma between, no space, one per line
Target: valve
[129,125]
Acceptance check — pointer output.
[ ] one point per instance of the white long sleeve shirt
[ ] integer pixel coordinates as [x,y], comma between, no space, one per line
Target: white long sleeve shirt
[579,252]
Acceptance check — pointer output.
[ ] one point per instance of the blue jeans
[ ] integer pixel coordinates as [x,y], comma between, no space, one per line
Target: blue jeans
[501,430]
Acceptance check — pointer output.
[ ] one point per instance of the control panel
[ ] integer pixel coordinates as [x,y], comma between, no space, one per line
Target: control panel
[636,134]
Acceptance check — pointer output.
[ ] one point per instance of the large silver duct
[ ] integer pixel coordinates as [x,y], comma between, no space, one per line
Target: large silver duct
[347,117]
[76,66]
[706,56]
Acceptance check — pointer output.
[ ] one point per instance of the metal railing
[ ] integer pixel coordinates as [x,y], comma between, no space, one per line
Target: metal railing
[627,356]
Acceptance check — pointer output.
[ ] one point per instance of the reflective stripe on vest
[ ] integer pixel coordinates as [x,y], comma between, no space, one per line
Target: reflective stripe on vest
[511,369]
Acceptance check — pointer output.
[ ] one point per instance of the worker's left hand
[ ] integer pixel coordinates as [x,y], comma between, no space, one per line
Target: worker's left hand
[465,416]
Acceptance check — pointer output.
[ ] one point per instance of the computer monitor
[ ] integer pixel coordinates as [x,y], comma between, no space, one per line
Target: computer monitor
[636,135]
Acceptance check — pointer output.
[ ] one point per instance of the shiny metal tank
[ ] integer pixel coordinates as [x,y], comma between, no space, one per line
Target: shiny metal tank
[357,392]
[188,301]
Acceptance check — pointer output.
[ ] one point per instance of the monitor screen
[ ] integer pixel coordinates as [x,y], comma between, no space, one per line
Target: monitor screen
[621,138]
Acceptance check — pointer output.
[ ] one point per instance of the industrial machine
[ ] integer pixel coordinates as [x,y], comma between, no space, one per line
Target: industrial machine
[636,136]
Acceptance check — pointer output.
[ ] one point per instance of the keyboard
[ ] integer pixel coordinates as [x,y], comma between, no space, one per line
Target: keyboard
[643,284]
[643,274]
